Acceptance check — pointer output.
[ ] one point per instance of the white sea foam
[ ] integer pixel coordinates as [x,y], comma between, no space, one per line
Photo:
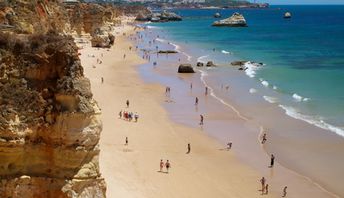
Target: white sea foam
[252,91]
[161,40]
[274,87]
[152,27]
[251,68]
[202,58]
[265,83]
[292,112]
[270,99]
[300,98]
[225,52]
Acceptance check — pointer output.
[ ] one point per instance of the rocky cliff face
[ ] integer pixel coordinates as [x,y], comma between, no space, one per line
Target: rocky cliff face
[49,123]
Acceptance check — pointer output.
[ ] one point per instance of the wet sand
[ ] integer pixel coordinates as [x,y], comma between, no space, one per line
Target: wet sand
[133,170]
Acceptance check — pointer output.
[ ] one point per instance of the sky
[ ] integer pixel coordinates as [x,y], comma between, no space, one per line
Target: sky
[285,2]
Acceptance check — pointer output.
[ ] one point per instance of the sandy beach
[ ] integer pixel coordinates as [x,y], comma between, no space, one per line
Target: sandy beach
[133,170]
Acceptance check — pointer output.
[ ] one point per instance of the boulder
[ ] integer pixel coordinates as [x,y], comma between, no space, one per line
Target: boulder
[238,63]
[200,64]
[185,68]
[217,15]
[210,64]
[236,20]
[167,52]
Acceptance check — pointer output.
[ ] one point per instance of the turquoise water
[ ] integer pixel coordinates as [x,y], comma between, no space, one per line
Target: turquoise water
[303,56]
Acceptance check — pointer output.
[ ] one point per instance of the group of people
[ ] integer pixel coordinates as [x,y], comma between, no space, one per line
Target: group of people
[129,116]
[167,165]
[265,188]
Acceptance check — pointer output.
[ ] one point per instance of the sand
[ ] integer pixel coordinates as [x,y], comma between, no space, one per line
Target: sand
[133,170]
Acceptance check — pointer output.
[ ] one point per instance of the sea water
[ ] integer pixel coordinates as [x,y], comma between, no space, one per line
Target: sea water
[303,57]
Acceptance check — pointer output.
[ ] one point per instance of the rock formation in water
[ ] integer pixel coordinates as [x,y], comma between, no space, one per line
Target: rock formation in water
[49,123]
[185,68]
[236,20]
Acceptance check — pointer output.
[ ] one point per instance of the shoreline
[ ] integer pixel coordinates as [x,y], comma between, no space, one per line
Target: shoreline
[313,181]
[111,116]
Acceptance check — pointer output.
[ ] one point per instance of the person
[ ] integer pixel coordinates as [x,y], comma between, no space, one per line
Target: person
[206,90]
[126,141]
[189,148]
[120,114]
[190,85]
[124,56]
[262,181]
[201,122]
[102,80]
[264,138]
[227,87]
[161,165]
[127,103]
[272,161]
[136,116]
[229,145]
[284,191]
[267,189]
[168,165]
[196,101]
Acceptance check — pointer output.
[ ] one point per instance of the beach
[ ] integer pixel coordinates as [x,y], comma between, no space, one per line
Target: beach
[133,170]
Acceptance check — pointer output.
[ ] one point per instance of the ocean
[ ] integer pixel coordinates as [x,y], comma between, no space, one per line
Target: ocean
[295,95]
[303,56]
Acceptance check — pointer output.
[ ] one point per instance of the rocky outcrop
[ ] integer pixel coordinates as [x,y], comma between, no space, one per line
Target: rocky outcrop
[200,64]
[217,15]
[49,122]
[167,52]
[185,68]
[238,63]
[210,64]
[158,17]
[287,15]
[236,20]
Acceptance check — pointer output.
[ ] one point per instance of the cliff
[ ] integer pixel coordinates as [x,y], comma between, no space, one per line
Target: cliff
[49,123]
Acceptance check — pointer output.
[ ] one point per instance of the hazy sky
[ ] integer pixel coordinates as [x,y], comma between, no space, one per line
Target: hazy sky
[284,2]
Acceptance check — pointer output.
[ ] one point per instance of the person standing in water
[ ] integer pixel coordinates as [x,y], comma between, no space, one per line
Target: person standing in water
[206,90]
[190,85]
[202,118]
[196,101]
[272,161]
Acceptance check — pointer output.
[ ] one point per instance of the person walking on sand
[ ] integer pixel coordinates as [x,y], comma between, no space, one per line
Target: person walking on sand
[262,182]
[264,138]
[202,118]
[189,148]
[196,101]
[190,85]
[161,165]
[267,189]
[272,161]
[229,146]
[126,141]
[285,191]
[168,166]
[124,56]
[120,114]
[127,103]
[136,116]
[102,80]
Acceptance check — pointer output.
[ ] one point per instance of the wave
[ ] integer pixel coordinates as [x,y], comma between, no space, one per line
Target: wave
[270,99]
[225,52]
[292,112]
[300,98]
[252,91]
[265,83]
[202,58]
[251,68]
